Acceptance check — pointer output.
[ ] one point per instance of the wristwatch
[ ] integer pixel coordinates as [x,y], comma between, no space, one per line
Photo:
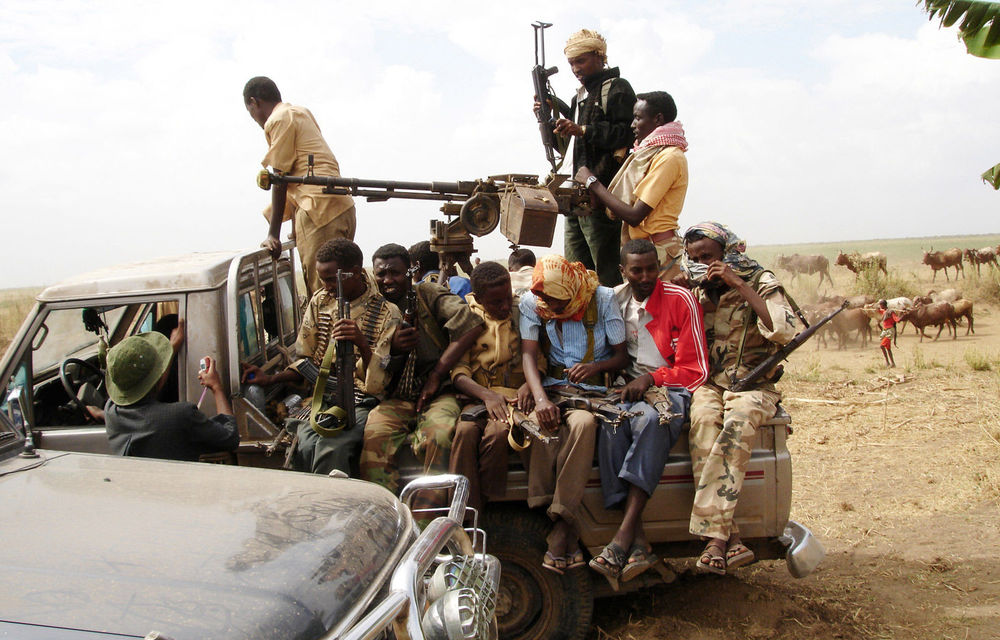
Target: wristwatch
[591,180]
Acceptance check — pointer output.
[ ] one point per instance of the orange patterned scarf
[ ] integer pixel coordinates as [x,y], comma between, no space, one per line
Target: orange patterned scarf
[557,277]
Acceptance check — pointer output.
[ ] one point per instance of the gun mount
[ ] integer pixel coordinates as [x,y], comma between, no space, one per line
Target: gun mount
[524,207]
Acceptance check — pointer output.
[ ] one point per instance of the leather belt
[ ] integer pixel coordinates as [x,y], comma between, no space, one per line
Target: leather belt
[662,236]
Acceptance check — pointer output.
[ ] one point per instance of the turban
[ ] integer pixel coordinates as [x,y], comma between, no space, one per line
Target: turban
[586,41]
[557,277]
[733,250]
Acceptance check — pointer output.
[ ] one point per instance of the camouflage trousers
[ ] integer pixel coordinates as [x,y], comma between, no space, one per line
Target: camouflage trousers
[723,425]
[395,423]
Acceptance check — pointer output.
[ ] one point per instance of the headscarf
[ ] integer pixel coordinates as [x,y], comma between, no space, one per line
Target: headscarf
[670,134]
[732,252]
[557,277]
[585,41]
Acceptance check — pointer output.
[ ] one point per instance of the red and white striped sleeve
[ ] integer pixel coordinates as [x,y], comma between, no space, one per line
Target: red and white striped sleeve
[690,369]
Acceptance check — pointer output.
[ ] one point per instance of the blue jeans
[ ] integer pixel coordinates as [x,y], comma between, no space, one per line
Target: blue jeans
[636,453]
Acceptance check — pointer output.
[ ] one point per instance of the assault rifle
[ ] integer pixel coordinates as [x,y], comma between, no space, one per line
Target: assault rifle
[742,384]
[526,424]
[345,356]
[544,95]
[408,388]
[604,407]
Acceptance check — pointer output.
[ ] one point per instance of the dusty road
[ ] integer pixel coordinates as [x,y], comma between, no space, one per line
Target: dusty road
[900,479]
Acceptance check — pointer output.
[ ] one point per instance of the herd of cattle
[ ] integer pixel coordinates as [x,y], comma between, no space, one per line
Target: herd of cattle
[937,309]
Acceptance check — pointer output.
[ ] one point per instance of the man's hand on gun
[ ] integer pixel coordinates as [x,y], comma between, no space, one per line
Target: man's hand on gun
[496,406]
[580,371]
[635,390]
[525,401]
[404,340]
[548,414]
[347,329]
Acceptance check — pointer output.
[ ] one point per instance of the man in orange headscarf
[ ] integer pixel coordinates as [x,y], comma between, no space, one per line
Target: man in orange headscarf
[578,326]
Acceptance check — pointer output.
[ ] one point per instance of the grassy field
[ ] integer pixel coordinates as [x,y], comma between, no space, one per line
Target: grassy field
[14,306]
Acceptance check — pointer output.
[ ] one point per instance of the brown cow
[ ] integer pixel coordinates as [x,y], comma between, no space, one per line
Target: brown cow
[938,314]
[850,320]
[854,302]
[807,265]
[816,312]
[942,260]
[979,257]
[963,309]
[858,262]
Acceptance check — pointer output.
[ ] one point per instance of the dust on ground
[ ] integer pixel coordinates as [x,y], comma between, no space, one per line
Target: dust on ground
[897,471]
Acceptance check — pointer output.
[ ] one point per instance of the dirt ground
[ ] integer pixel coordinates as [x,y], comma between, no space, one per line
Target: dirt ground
[898,473]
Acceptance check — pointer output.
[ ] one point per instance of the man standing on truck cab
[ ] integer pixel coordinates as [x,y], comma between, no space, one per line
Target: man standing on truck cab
[602,108]
[140,425]
[491,373]
[371,327]
[667,362]
[421,408]
[577,326]
[292,136]
[747,317]
[648,191]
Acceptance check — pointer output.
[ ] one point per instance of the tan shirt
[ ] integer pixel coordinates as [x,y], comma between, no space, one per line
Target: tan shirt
[495,359]
[292,135]
[317,321]
[663,188]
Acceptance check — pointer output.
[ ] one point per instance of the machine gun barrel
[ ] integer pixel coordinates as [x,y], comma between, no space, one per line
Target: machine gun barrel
[741,384]
[386,188]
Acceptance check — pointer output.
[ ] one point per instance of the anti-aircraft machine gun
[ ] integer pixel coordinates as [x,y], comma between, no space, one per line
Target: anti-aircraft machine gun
[522,205]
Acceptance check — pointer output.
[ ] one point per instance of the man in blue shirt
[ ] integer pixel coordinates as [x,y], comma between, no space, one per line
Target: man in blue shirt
[578,326]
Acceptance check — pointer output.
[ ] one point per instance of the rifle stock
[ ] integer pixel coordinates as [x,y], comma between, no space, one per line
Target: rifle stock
[758,372]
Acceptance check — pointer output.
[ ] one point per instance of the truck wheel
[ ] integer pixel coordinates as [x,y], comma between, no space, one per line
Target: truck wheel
[534,603]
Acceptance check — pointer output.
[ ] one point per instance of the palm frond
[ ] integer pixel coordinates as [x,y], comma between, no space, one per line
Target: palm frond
[992,177]
[979,27]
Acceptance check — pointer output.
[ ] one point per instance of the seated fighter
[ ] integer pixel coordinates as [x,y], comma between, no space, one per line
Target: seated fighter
[747,317]
[421,408]
[371,327]
[490,372]
[577,326]
[138,424]
[667,362]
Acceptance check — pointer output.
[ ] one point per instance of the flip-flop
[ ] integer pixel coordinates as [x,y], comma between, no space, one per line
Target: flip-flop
[639,559]
[575,560]
[705,562]
[738,556]
[614,559]
[553,563]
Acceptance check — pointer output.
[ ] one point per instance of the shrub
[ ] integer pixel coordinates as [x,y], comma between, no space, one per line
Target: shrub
[983,287]
[979,360]
[872,282]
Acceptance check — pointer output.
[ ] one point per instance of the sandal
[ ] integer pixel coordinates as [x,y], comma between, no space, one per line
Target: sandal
[738,555]
[713,562]
[575,559]
[609,564]
[639,559]
[553,563]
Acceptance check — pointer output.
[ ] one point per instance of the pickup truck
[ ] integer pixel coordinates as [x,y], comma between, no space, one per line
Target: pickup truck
[243,307]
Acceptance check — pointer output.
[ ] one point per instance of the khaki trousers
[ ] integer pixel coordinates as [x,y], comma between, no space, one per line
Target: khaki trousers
[558,472]
[723,425]
[309,238]
[479,452]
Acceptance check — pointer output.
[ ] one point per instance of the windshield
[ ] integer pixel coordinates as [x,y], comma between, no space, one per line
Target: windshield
[68,337]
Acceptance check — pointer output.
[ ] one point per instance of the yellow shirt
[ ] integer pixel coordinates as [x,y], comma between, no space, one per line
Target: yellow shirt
[292,135]
[663,188]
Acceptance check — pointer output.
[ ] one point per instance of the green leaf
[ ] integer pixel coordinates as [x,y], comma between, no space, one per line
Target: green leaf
[993,37]
[977,46]
[992,177]
[954,13]
[975,18]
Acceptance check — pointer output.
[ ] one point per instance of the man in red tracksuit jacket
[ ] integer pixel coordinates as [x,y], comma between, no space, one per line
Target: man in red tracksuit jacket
[668,361]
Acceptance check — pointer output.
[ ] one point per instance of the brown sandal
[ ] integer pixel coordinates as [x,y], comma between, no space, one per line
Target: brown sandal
[713,562]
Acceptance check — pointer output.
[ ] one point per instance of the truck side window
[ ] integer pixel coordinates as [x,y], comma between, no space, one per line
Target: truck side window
[287,304]
[247,327]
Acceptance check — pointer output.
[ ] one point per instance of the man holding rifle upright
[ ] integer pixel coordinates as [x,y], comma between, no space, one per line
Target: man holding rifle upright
[599,121]
[321,445]
[747,318]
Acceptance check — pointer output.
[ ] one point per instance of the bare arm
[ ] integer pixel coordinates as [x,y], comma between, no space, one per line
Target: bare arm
[449,358]
[272,243]
[722,271]
[633,214]
[548,413]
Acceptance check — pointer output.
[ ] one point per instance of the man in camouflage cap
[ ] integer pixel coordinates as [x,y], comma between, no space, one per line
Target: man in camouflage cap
[747,317]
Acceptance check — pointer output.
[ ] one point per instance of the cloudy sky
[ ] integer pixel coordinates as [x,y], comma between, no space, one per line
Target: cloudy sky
[125,135]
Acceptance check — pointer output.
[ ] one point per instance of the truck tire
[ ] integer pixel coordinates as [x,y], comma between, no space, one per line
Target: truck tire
[534,603]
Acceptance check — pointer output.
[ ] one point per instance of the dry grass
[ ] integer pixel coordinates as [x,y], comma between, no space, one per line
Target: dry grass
[14,306]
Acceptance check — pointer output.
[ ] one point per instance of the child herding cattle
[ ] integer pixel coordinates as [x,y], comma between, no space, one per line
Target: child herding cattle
[888,325]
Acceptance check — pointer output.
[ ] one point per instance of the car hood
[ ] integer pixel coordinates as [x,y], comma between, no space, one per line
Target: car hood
[129,545]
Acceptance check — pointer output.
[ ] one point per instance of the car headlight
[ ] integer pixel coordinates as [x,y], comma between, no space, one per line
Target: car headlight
[462,592]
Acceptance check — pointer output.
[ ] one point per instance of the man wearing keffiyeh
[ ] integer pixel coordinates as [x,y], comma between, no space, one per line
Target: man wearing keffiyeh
[648,191]
[747,317]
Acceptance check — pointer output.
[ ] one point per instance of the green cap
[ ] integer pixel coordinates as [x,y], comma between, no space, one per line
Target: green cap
[135,365]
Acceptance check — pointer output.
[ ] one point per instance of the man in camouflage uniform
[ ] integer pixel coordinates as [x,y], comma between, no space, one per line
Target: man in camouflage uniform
[419,410]
[746,317]
[490,373]
[371,326]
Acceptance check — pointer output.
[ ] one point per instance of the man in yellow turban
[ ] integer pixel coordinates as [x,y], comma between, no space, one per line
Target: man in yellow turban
[599,119]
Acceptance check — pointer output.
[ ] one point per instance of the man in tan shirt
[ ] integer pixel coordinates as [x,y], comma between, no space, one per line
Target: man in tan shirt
[292,136]
[648,191]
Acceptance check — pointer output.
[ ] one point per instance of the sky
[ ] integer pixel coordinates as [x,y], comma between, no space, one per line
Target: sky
[125,134]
